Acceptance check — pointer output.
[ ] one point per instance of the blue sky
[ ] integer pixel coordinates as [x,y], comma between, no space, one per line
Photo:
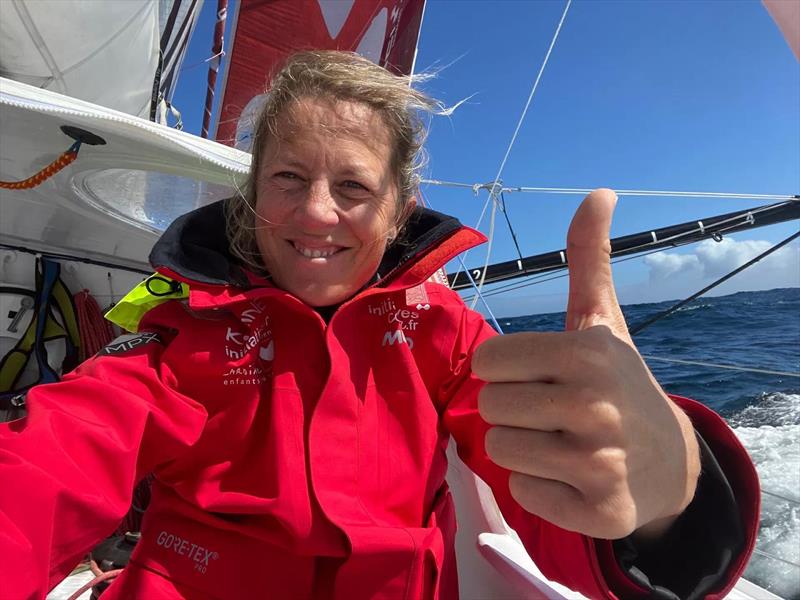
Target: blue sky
[668,95]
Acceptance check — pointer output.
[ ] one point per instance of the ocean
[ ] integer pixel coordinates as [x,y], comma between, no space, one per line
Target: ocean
[752,329]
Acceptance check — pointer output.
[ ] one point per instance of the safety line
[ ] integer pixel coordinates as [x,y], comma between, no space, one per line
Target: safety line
[720,366]
[781,497]
[773,557]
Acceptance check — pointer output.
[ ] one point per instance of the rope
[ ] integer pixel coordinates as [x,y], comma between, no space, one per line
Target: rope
[719,366]
[99,578]
[54,167]
[95,331]
[530,96]
[637,328]
[781,497]
[773,557]
[493,191]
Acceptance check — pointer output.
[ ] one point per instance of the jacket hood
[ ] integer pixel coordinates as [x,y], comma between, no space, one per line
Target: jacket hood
[195,249]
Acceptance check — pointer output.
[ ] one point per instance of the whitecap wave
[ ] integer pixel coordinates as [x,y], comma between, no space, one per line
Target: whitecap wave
[775,450]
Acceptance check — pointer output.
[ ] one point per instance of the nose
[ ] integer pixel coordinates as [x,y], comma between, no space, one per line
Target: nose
[318,211]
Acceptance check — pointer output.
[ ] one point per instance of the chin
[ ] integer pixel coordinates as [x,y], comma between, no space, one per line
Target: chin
[323,297]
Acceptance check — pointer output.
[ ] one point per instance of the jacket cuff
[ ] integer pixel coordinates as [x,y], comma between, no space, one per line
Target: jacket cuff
[694,556]
[706,550]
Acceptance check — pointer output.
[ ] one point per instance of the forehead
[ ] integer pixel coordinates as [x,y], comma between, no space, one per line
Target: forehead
[349,125]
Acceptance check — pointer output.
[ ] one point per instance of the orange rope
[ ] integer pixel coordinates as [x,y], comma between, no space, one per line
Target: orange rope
[31,182]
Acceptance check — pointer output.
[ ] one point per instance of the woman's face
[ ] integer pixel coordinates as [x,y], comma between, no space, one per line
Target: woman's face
[325,200]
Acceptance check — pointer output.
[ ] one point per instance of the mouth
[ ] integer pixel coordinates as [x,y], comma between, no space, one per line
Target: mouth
[319,252]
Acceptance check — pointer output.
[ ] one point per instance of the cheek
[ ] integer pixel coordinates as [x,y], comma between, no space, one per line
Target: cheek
[378,219]
[270,211]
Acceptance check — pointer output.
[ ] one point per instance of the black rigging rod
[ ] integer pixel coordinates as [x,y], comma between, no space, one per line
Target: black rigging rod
[637,328]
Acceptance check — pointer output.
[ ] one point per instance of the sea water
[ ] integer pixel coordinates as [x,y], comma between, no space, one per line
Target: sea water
[751,329]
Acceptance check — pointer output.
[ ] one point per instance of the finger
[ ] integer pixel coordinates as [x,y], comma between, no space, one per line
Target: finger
[549,407]
[553,501]
[564,506]
[560,357]
[536,453]
[592,298]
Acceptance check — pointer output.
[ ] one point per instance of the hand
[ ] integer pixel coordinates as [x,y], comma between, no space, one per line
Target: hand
[593,443]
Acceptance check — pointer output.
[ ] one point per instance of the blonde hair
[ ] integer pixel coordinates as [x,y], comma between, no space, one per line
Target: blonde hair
[335,75]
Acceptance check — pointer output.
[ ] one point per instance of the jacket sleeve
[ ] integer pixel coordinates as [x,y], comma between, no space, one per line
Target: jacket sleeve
[68,469]
[601,568]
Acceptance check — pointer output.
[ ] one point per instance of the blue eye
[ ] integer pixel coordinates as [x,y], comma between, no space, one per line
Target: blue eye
[287,175]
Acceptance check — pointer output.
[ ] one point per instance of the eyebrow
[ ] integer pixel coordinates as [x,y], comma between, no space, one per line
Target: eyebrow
[353,169]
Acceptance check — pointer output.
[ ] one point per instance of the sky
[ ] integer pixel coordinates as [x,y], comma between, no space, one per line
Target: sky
[659,95]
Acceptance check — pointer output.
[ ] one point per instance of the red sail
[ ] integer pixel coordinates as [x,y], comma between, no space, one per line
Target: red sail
[265,31]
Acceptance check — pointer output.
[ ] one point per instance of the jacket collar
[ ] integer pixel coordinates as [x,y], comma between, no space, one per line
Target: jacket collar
[194,249]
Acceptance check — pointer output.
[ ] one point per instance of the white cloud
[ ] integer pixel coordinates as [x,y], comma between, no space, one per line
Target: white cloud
[711,260]
[664,265]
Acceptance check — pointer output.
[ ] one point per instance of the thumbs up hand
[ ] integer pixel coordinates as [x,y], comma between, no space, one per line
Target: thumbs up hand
[593,443]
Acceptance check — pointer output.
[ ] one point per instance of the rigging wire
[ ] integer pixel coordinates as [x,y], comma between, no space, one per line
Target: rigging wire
[681,194]
[637,328]
[748,215]
[494,188]
[621,192]
[472,281]
[489,242]
[477,226]
[545,277]
[483,300]
[721,366]
[504,209]
[772,556]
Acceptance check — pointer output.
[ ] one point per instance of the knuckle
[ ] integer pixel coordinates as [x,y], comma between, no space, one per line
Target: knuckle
[600,340]
[586,396]
[606,415]
[610,464]
[615,516]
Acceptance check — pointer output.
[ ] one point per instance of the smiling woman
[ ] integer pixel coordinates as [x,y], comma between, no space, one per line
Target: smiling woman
[338,139]
[294,388]
[326,200]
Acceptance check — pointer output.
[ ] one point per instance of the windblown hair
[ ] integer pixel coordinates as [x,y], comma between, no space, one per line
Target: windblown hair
[335,75]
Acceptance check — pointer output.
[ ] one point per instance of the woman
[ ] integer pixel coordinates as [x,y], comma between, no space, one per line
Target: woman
[294,378]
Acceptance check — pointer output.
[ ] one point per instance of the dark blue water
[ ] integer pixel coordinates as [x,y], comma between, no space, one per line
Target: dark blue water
[753,329]
[750,329]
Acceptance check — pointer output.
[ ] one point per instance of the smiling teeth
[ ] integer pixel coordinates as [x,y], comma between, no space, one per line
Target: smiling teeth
[309,253]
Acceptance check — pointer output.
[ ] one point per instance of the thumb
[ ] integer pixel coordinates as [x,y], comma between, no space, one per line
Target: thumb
[592,298]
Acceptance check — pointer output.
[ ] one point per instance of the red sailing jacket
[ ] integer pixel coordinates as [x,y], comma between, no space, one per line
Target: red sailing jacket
[292,458]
